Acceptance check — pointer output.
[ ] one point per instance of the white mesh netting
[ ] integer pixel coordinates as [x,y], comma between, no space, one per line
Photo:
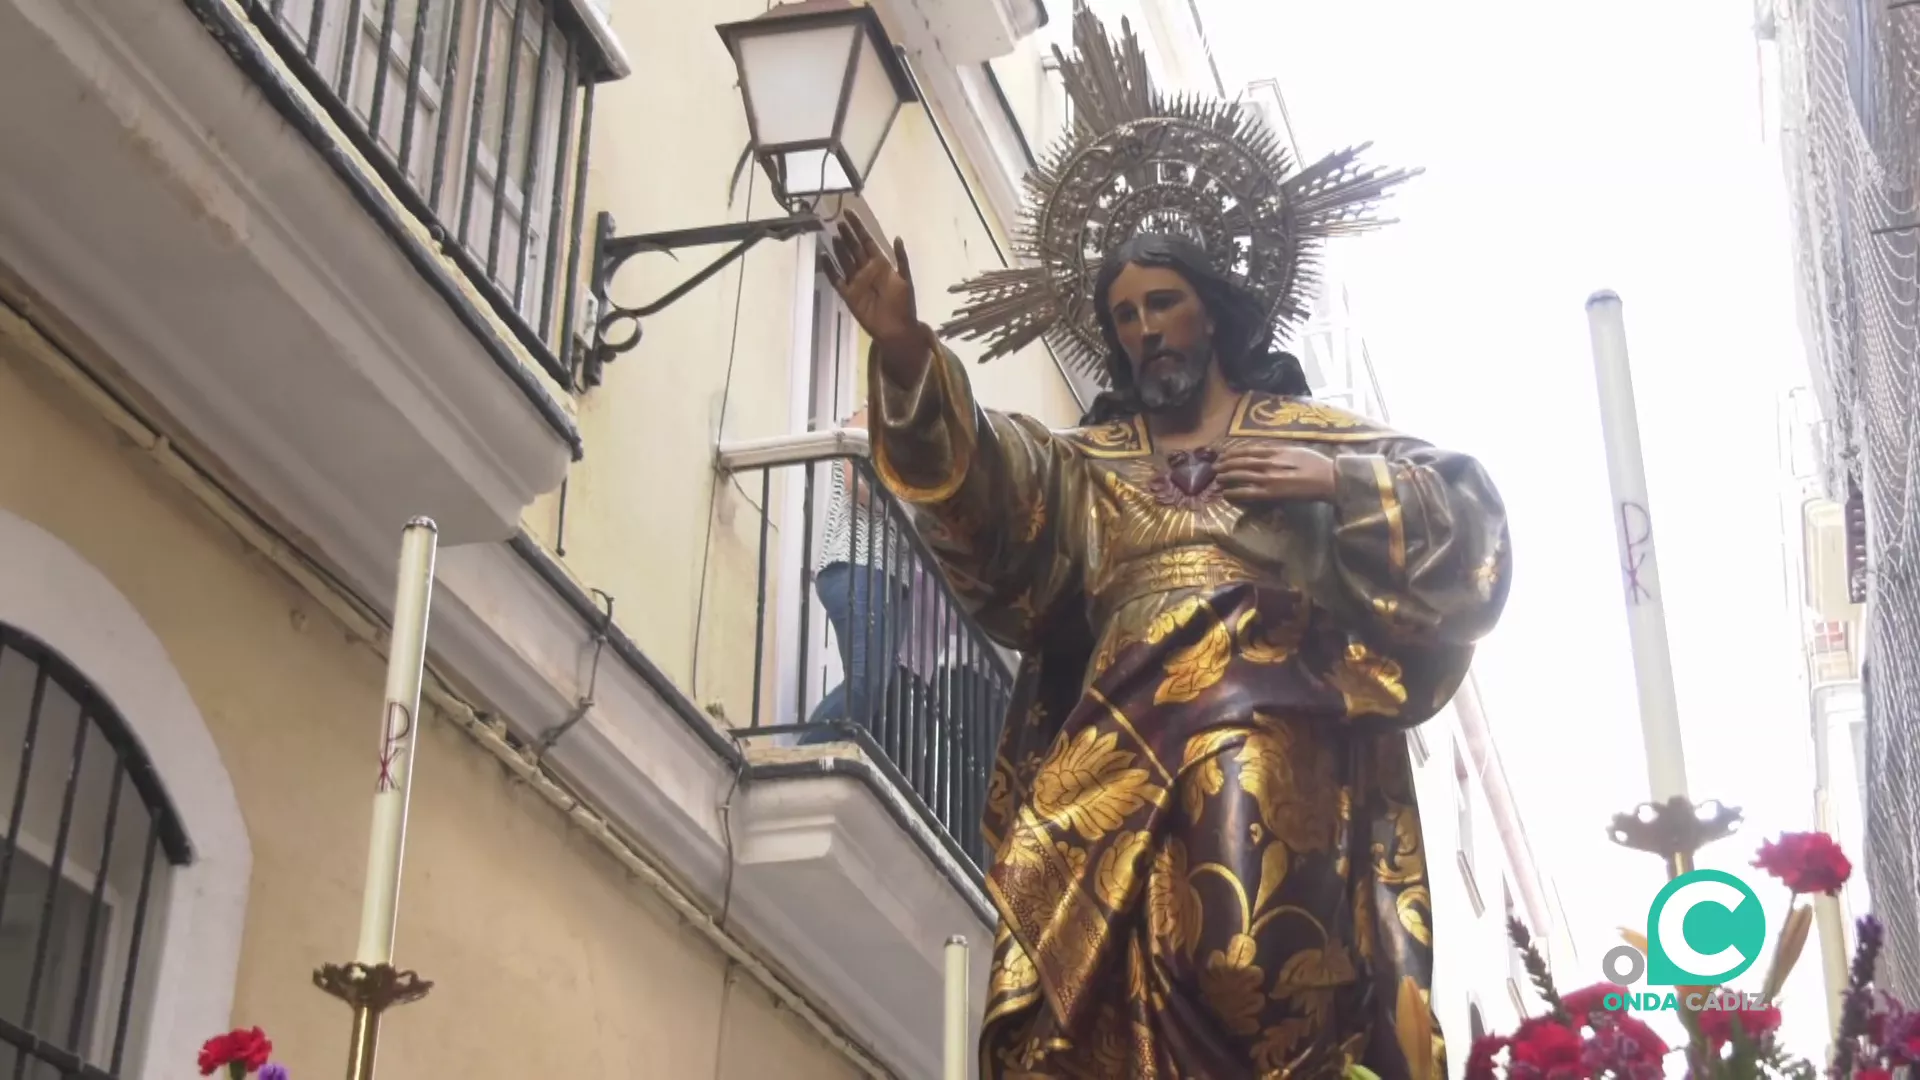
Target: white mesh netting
[1851,89]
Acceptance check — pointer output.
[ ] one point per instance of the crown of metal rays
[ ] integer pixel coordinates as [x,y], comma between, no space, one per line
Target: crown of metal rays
[1138,161]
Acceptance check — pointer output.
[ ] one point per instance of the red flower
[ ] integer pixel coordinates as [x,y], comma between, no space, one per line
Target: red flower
[1877,1022]
[1651,1046]
[1808,862]
[1898,1037]
[1480,1059]
[1873,1074]
[1625,1047]
[249,1049]
[1545,1047]
[1586,1001]
[1717,1024]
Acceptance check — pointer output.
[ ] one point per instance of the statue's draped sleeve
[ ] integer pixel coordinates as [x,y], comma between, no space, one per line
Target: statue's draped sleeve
[1413,553]
[1420,539]
[999,498]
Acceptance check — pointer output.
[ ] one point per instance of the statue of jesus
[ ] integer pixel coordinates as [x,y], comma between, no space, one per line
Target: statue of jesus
[1231,603]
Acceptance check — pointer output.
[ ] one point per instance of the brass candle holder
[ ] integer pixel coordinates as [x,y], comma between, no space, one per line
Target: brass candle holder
[1674,830]
[368,991]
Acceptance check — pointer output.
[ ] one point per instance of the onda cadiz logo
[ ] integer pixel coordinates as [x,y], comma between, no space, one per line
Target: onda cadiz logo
[1704,928]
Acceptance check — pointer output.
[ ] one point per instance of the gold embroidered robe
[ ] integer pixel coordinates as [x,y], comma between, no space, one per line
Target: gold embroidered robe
[1208,858]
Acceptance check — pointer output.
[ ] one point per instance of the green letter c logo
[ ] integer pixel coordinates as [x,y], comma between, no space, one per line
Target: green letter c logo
[1704,927]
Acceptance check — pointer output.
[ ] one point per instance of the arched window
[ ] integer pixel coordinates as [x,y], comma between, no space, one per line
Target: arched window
[89,840]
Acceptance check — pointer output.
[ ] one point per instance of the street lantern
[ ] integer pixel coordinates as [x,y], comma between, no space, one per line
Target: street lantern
[821,85]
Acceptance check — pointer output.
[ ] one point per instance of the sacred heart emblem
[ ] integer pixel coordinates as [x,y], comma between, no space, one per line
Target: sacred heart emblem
[1192,471]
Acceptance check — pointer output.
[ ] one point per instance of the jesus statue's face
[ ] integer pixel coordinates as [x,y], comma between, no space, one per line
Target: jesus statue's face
[1166,333]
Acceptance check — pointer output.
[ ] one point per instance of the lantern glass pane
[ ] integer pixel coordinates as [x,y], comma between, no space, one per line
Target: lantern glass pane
[870,109]
[814,172]
[793,79]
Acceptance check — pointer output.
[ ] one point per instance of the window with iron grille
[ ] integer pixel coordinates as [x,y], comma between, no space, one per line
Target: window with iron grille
[90,839]
[474,112]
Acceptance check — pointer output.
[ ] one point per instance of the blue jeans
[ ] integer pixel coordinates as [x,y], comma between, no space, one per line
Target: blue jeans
[866,660]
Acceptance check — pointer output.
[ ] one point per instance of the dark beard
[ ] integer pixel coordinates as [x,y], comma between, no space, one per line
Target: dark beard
[1174,387]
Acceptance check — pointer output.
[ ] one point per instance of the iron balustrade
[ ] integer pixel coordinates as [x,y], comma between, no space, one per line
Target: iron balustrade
[476,114]
[936,688]
[89,837]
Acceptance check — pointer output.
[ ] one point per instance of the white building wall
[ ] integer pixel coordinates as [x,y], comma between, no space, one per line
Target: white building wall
[1826,634]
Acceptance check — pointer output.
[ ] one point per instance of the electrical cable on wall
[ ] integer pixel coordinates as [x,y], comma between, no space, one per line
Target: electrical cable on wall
[727,976]
[713,492]
[552,735]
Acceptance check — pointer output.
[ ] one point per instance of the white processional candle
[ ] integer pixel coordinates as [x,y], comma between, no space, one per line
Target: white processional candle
[406,657]
[1634,537]
[956,1027]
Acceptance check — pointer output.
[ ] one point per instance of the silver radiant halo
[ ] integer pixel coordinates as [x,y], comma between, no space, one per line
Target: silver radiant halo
[1138,162]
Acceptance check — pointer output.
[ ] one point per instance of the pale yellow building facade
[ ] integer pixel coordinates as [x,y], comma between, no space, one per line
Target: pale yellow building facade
[278,275]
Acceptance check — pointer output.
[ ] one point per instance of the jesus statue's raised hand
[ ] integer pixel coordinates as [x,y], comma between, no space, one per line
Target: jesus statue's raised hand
[879,295]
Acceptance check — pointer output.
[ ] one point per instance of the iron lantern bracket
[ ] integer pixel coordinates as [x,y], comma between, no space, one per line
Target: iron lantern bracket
[617,327]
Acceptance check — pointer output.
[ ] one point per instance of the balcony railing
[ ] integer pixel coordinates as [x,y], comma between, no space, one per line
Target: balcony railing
[475,113]
[928,705]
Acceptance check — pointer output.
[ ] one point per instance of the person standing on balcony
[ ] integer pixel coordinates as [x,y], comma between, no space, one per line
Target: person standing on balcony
[1232,602]
[861,581]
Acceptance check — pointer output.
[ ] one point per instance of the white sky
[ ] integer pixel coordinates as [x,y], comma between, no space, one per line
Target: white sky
[1571,147]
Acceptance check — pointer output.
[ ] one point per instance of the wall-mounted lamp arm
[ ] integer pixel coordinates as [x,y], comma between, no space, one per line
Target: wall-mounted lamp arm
[617,328]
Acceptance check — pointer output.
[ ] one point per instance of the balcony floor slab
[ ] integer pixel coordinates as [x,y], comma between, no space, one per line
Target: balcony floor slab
[157,198]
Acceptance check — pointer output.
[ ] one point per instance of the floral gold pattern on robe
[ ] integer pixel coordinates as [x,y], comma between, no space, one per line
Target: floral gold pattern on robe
[1208,858]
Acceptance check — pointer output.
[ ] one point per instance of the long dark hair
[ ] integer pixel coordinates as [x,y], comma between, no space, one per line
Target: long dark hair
[1241,345]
